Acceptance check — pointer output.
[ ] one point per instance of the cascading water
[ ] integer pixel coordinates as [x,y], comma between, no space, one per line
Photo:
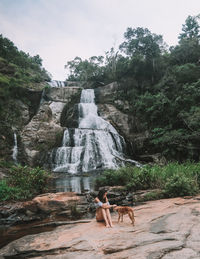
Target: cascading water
[56,83]
[95,144]
[15,148]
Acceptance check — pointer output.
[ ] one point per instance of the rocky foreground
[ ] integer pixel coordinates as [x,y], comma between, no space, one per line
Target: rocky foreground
[164,229]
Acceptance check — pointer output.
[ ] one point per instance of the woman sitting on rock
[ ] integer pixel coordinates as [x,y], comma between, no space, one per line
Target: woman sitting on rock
[103,208]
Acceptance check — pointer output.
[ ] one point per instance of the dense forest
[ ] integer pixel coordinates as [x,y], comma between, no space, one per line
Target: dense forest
[161,84]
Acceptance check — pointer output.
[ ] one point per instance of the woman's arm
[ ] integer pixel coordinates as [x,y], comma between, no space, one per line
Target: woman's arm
[104,205]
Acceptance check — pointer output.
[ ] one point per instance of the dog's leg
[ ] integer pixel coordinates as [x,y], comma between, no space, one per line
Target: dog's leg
[118,217]
[122,217]
[131,216]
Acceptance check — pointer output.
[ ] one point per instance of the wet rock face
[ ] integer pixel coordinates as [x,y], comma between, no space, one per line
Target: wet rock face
[16,112]
[166,229]
[118,113]
[40,135]
[70,116]
[45,130]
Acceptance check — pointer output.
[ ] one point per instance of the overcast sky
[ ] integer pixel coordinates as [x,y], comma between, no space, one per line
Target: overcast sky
[60,30]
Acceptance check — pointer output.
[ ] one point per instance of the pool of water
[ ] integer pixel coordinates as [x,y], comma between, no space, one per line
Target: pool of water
[63,182]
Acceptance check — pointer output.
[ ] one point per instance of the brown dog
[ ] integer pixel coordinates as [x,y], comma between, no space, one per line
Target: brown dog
[122,210]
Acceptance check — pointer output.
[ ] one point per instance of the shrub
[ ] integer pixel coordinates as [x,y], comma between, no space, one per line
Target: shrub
[5,191]
[112,177]
[23,183]
[180,185]
[174,179]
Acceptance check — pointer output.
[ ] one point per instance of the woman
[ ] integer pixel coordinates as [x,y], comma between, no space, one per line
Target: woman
[103,208]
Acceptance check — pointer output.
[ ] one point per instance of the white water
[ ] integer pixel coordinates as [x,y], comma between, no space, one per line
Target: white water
[95,144]
[56,83]
[15,149]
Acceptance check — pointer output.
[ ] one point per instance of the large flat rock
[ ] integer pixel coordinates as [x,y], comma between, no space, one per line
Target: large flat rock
[166,229]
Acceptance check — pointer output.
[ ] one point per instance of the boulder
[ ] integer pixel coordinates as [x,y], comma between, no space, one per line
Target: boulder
[43,206]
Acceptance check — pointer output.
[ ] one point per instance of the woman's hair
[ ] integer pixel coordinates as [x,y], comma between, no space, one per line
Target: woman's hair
[101,194]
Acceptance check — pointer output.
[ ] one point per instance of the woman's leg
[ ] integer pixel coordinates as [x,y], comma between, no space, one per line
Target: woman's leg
[105,217]
[101,215]
[109,217]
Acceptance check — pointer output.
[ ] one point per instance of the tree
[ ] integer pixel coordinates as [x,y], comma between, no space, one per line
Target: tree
[188,50]
[37,59]
[142,42]
[190,29]
[143,48]
[111,64]
[85,70]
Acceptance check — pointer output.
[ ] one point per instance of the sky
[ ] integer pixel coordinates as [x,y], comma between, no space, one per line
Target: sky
[60,30]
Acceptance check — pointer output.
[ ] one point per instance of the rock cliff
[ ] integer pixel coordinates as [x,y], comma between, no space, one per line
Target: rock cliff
[44,131]
[118,112]
[43,116]
[20,107]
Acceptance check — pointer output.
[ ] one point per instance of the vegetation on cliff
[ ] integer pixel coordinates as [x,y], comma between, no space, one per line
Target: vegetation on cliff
[18,68]
[19,72]
[161,84]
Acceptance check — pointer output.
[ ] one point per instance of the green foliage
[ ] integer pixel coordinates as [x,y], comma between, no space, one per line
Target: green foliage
[8,192]
[5,164]
[180,185]
[85,70]
[187,73]
[23,183]
[191,28]
[141,41]
[18,68]
[173,179]
[18,71]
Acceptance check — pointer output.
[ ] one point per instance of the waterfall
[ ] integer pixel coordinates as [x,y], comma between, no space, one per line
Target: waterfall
[56,83]
[95,144]
[15,148]
[42,97]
